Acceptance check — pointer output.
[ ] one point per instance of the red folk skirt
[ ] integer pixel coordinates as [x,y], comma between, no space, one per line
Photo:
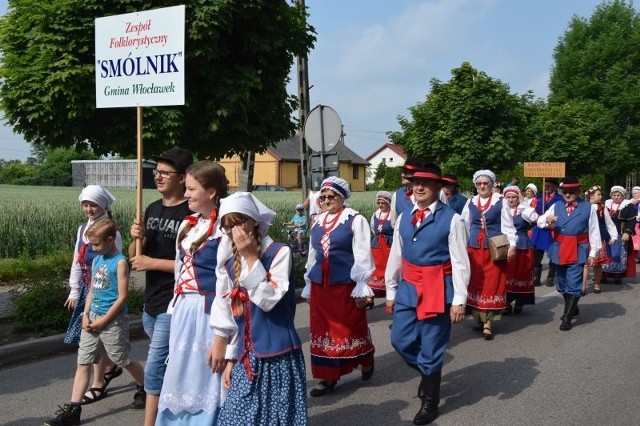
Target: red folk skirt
[520,285]
[338,333]
[488,284]
[380,257]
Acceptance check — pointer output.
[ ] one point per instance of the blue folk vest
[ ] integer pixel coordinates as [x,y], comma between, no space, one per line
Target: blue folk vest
[572,225]
[272,333]
[493,223]
[428,244]
[340,253]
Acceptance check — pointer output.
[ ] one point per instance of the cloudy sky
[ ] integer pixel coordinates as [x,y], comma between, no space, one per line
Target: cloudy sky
[374,58]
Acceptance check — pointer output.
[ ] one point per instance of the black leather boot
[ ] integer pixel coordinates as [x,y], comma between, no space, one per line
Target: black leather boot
[551,276]
[430,389]
[575,311]
[537,276]
[570,308]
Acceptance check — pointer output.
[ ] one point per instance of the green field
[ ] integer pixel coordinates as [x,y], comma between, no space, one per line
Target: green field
[35,221]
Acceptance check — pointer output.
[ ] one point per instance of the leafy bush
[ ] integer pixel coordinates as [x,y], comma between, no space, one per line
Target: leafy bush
[135,302]
[39,306]
[53,266]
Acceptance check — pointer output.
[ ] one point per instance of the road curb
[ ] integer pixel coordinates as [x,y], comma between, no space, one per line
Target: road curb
[30,350]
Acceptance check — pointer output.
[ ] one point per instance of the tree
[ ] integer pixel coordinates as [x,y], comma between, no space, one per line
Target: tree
[578,133]
[14,172]
[238,56]
[468,123]
[55,170]
[593,111]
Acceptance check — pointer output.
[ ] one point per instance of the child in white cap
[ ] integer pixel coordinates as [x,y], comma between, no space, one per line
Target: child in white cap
[96,203]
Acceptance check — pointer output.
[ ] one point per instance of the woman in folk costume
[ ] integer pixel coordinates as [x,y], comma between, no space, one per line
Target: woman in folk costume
[623,213]
[635,200]
[254,309]
[95,202]
[608,235]
[191,393]
[576,240]
[338,269]
[382,227]
[487,215]
[530,193]
[520,286]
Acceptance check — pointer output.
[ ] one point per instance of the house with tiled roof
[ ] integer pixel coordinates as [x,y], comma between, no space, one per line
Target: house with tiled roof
[390,154]
[280,165]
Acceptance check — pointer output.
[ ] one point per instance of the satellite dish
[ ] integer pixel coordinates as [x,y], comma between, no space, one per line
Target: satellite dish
[323,128]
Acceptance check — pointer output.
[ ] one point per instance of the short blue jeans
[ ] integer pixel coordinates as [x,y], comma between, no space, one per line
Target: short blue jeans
[157,328]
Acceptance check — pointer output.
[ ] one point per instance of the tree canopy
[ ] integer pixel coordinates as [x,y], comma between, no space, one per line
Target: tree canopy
[468,123]
[593,116]
[238,57]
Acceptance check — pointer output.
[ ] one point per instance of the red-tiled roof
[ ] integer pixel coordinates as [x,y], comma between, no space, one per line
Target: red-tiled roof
[395,148]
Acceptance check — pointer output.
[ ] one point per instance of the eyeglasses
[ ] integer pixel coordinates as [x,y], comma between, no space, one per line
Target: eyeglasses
[326,197]
[163,173]
[227,229]
[483,183]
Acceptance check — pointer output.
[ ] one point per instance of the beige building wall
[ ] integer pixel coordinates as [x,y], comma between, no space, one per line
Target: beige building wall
[269,171]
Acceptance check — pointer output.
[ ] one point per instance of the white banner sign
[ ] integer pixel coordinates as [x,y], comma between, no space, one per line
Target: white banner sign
[140,58]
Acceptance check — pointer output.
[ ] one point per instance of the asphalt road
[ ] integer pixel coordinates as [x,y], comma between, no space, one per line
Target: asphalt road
[531,374]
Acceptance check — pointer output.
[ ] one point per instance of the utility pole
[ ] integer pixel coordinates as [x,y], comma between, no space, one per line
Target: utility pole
[303,112]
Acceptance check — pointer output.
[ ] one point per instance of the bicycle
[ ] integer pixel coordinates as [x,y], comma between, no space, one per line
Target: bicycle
[292,241]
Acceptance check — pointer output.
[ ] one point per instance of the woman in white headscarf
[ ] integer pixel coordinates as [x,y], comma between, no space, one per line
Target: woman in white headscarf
[382,224]
[530,193]
[95,202]
[338,269]
[487,215]
[623,213]
[254,309]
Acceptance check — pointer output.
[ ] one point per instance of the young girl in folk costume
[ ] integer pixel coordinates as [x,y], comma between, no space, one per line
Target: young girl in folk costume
[338,270]
[254,309]
[96,204]
[382,227]
[609,236]
[191,394]
[623,213]
[520,286]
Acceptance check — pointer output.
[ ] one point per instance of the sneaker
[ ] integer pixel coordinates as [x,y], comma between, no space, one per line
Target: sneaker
[139,399]
[67,415]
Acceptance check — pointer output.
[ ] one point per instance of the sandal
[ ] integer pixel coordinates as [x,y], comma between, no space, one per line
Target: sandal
[487,334]
[111,374]
[93,395]
[323,387]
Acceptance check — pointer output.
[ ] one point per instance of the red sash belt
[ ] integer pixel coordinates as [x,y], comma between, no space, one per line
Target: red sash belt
[429,283]
[568,252]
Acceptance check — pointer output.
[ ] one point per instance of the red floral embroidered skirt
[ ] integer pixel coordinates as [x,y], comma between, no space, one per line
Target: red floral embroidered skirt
[339,333]
[488,284]
[520,285]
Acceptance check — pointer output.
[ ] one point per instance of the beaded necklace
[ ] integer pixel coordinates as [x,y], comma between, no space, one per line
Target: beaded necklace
[328,225]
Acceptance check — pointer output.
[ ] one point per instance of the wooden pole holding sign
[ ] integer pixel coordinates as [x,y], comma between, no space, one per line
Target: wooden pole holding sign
[544,170]
[140,178]
[140,62]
